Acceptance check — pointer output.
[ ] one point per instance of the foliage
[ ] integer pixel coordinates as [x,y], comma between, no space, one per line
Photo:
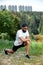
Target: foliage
[9,23]
[34,21]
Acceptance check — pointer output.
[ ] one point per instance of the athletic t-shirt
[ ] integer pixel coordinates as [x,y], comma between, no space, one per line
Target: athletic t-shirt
[19,34]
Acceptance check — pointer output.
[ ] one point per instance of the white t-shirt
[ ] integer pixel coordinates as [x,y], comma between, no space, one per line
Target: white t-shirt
[19,34]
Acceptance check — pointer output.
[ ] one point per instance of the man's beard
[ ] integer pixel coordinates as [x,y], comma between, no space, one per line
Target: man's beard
[24,31]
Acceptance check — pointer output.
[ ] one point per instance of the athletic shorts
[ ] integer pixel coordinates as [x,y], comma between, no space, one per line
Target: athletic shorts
[17,47]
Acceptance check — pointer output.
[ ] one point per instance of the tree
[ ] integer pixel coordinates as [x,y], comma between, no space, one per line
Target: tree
[9,23]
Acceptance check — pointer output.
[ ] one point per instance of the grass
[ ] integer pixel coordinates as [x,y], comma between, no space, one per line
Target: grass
[18,58]
[5,44]
[36,48]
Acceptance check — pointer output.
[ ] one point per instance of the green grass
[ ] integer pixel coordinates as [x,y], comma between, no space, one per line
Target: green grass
[5,44]
[36,48]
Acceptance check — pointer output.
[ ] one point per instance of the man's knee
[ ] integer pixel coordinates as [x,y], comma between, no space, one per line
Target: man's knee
[28,42]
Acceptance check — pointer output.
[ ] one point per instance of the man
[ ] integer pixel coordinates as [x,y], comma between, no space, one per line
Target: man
[22,39]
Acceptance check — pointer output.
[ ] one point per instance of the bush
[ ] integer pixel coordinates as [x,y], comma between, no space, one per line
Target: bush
[9,23]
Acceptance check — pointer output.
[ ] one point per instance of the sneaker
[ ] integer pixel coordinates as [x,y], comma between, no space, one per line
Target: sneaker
[27,56]
[5,52]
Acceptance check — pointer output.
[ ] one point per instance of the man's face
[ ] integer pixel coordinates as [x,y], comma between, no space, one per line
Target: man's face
[24,29]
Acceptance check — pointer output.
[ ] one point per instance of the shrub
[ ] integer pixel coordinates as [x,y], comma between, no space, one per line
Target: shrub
[9,23]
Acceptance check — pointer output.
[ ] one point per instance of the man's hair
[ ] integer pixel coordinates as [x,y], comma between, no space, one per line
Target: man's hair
[24,25]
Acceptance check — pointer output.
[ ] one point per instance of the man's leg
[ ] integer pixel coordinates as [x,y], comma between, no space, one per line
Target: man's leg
[27,44]
[27,47]
[11,50]
[8,51]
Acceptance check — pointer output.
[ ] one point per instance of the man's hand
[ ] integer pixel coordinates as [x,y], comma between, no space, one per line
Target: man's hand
[28,39]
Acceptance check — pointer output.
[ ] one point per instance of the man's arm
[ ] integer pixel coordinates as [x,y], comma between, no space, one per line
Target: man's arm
[22,39]
[25,39]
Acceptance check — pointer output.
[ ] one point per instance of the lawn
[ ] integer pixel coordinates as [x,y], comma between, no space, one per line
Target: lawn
[18,58]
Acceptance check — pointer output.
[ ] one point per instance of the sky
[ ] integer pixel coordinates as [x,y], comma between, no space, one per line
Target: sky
[37,5]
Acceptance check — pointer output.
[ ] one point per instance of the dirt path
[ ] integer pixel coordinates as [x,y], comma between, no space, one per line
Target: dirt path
[18,58]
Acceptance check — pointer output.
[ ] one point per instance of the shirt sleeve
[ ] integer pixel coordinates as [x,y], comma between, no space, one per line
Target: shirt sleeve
[19,34]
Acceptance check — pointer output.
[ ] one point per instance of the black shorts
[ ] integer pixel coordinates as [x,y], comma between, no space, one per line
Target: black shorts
[17,47]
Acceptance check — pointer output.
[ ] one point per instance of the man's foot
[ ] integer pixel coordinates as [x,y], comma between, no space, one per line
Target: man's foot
[6,52]
[27,56]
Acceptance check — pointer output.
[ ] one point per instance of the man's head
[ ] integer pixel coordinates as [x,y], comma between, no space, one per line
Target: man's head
[24,27]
